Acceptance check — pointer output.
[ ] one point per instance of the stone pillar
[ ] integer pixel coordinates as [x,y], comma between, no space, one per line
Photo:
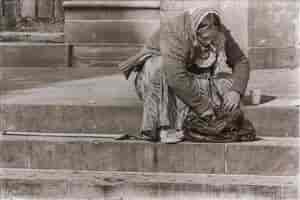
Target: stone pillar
[45,9]
[1,15]
[1,8]
[59,10]
[28,8]
[10,14]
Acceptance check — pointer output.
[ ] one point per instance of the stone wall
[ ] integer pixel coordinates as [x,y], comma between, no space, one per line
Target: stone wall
[267,31]
[31,15]
[273,29]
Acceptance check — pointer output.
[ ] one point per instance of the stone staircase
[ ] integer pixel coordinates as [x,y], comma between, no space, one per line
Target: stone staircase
[59,123]
[58,135]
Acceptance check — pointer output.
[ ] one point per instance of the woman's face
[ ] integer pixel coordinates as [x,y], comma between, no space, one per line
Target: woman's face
[207,31]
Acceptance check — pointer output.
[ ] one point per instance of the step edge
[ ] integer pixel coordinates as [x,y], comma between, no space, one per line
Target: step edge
[115,4]
[25,43]
[112,178]
[293,142]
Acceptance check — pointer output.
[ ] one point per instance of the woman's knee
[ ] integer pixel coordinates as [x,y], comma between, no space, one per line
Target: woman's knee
[152,68]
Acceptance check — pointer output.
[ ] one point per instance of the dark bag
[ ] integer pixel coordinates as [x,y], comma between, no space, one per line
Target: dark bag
[227,127]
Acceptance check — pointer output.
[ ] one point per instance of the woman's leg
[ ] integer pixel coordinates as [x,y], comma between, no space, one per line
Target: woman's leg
[159,104]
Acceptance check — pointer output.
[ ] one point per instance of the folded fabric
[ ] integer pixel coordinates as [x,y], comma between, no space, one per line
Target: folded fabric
[137,61]
[227,127]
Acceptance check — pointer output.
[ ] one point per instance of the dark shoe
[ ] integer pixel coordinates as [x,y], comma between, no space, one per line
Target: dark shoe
[149,136]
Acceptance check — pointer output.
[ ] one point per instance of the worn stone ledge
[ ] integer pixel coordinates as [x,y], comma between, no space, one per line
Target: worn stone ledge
[267,157]
[114,178]
[109,104]
[114,115]
[32,37]
[79,190]
[109,31]
[112,4]
[32,54]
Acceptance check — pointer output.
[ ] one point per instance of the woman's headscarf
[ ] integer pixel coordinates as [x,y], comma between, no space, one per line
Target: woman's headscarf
[197,16]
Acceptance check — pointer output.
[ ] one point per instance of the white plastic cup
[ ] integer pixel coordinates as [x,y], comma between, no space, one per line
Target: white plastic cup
[255,96]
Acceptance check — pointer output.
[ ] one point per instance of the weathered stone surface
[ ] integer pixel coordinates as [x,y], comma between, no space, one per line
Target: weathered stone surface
[101,31]
[191,157]
[101,119]
[112,14]
[10,14]
[45,8]
[268,157]
[284,57]
[282,83]
[275,121]
[20,78]
[272,157]
[118,178]
[31,54]
[68,119]
[275,35]
[260,58]
[132,4]
[13,156]
[103,55]
[266,58]
[180,5]
[43,190]
[109,155]
[195,192]
[277,29]
[57,37]
[20,189]
[235,17]
[1,8]
[114,21]
[59,10]
[109,105]
[298,55]
[28,8]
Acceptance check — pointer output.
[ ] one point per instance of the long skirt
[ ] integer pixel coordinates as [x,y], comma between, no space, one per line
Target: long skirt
[161,107]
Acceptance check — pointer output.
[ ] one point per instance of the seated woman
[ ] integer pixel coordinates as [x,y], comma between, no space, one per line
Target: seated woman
[191,64]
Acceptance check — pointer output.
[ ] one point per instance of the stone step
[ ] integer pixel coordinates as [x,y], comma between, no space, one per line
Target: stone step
[89,168]
[266,157]
[108,104]
[83,190]
[29,54]
[31,37]
[268,121]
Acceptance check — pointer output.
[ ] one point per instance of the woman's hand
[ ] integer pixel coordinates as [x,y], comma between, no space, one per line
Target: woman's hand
[231,101]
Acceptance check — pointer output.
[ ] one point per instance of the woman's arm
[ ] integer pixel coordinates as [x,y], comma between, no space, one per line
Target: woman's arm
[239,63]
